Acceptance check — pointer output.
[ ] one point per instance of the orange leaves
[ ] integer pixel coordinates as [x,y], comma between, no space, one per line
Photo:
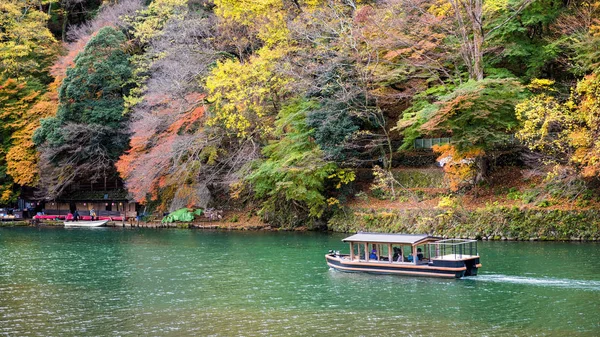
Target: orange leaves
[188,119]
[22,157]
[460,168]
[449,109]
[158,145]
[21,164]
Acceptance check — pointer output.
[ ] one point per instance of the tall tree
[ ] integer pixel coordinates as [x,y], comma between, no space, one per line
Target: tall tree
[470,18]
[27,48]
[293,177]
[566,132]
[173,157]
[87,135]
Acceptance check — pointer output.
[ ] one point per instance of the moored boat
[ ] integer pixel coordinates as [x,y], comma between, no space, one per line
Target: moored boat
[97,223]
[407,254]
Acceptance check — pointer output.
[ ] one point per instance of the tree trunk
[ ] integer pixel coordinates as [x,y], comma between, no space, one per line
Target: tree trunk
[64,25]
[477,22]
[482,169]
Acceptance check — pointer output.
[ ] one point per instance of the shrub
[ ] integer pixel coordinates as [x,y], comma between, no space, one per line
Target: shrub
[448,202]
[362,196]
[544,203]
[514,194]
[528,197]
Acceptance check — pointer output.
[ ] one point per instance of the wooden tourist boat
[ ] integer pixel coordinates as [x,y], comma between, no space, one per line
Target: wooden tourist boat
[97,223]
[407,254]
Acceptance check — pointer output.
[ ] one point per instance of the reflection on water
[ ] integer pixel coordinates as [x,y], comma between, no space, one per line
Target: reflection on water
[183,283]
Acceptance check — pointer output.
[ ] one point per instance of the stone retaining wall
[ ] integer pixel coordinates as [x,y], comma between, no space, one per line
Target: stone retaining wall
[491,223]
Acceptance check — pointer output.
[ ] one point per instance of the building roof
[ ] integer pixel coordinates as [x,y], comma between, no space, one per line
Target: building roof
[387,238]
[99,196]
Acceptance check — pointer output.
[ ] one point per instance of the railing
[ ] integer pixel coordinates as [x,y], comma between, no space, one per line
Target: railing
[428,143]
[453,248]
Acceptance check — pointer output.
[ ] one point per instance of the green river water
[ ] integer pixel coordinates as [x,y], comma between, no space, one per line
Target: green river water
[115,282]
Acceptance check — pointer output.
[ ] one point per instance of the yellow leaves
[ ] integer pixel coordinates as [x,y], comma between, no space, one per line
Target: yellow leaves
[333,201]
[539,117]
[343,176]
[21,157]
[236,189]
[541,84]
[275,31]
[266,19]
[210,154]
[440,9]
[595,30]
[580,137]
[156,16]
[25,41]
[6,195]
[447,201]
[244,93]
[569,130]
[21,165]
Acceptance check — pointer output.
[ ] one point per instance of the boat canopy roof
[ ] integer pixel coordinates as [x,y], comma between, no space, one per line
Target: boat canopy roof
[388,238]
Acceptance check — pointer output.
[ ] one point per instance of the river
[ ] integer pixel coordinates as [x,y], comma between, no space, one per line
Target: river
[116,282]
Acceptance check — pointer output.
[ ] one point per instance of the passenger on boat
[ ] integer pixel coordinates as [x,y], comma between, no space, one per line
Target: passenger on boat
[419,254]
[373,255]
[75,215]
[409,258]
[93,214]
[397,256]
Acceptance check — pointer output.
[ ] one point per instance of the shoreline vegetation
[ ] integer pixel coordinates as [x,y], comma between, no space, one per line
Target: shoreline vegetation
[490,223]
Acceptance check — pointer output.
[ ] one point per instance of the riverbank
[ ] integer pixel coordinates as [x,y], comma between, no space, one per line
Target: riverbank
[14,223]
[489,223]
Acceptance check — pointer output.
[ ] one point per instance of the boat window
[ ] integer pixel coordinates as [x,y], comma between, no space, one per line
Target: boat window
[407,253]
[359,251]
[397,254]
[383,251]
[374,252]
[423,252]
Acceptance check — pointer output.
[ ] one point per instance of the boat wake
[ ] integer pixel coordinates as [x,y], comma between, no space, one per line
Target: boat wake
[539,281]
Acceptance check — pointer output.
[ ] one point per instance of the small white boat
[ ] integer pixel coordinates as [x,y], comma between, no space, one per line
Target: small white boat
[97,223]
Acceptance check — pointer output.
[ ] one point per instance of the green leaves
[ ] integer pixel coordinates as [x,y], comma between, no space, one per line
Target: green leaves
[93,90]
[476,114]
[87,135]
[294,169]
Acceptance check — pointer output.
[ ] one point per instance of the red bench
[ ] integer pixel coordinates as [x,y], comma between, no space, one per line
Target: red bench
[49,217]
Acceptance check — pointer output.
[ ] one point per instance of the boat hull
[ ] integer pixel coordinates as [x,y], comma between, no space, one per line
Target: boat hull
[86,224]
[457,269]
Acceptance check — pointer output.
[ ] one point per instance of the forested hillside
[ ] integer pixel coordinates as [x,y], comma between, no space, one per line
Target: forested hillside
[281,106]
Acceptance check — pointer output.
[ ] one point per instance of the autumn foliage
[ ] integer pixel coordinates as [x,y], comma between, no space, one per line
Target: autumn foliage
[460,167]
[277,103]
